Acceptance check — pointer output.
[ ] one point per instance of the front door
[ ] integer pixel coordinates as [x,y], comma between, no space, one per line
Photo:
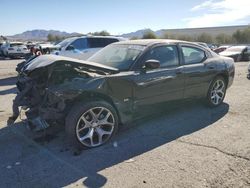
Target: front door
[163,84]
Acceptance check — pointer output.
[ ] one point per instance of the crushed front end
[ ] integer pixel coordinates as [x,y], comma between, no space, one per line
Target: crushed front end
[39,93]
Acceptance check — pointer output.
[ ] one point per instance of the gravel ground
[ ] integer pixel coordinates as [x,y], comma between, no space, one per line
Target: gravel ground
[188,146]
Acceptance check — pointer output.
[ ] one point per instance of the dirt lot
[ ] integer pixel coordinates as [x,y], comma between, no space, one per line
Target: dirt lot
[188,146]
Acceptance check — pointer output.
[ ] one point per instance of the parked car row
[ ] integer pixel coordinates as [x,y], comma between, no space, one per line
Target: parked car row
[74,47]
[238,53]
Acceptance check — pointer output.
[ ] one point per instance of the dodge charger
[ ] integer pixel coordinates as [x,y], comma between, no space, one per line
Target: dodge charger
[92,98]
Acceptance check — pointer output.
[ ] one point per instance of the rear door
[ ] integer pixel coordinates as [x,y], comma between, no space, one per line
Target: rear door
[198,70]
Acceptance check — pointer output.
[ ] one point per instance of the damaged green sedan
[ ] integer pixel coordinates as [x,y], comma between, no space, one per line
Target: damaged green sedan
[93,97]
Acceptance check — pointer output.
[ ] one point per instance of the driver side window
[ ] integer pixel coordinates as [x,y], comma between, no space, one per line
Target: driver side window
[166,55]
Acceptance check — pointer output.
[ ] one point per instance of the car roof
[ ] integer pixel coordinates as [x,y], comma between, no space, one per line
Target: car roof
[149,42]
[90,36]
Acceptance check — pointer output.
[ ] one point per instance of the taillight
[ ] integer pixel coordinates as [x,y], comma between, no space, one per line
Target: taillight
[10,48]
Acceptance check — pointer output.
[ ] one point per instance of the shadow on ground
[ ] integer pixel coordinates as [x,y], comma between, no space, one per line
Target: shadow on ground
[12,90]
[8,59]
[8,81]
[53,163]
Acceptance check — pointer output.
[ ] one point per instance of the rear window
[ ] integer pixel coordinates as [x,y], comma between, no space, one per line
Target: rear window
[100,42]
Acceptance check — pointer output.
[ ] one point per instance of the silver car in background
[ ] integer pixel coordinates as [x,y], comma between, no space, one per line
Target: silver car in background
[84,47]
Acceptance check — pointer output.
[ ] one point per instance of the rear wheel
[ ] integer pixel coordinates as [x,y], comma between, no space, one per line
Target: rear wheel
[91,124]
[216,92]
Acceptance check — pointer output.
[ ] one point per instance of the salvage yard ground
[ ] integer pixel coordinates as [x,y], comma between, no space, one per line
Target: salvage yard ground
[188,146]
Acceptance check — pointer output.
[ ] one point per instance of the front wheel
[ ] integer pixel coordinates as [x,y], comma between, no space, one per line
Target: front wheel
[216,92]
[91,124]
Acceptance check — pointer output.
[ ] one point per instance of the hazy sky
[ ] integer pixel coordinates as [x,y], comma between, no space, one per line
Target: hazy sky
[119,16]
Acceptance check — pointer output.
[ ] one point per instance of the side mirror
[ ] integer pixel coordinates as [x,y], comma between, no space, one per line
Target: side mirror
[70,47]
[152,64]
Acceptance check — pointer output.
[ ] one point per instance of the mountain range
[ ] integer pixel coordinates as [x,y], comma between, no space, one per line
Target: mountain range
[40,34]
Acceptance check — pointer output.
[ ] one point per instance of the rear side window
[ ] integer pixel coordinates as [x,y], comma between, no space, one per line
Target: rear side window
[100,42]
[193,55]
[79,44]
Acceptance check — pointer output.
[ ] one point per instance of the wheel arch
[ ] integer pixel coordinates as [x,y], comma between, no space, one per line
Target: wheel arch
[93,96]
[223,75]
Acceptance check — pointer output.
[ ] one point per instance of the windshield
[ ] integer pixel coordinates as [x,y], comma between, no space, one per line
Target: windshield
[64,42]
[119,56]
[235,49]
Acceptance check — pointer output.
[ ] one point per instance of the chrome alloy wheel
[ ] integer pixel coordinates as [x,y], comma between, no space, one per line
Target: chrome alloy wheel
[95,126]
[218,92]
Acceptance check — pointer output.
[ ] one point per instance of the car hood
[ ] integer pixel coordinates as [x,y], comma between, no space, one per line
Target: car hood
[226,53]
[46,60]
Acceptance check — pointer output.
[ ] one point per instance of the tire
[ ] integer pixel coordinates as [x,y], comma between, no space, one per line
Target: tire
[216,92]
[6,55]
[87,129]
[238,58]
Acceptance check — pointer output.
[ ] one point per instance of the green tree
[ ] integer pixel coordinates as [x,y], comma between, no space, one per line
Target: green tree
[54,38]
[50,37]
[185,37]
[167,35]
[100,33]
[204,37]
[149,35]
[242,36]
[134,38]
[222,38]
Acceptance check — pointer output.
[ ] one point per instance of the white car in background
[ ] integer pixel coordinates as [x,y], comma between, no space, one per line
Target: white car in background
[84,47]
[14,49]
[44,48]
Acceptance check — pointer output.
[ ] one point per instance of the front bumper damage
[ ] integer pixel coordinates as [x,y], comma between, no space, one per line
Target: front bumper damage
[49,111]
[48,86]
[43,108]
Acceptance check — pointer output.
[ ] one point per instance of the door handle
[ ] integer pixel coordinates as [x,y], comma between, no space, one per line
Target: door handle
[211,67]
